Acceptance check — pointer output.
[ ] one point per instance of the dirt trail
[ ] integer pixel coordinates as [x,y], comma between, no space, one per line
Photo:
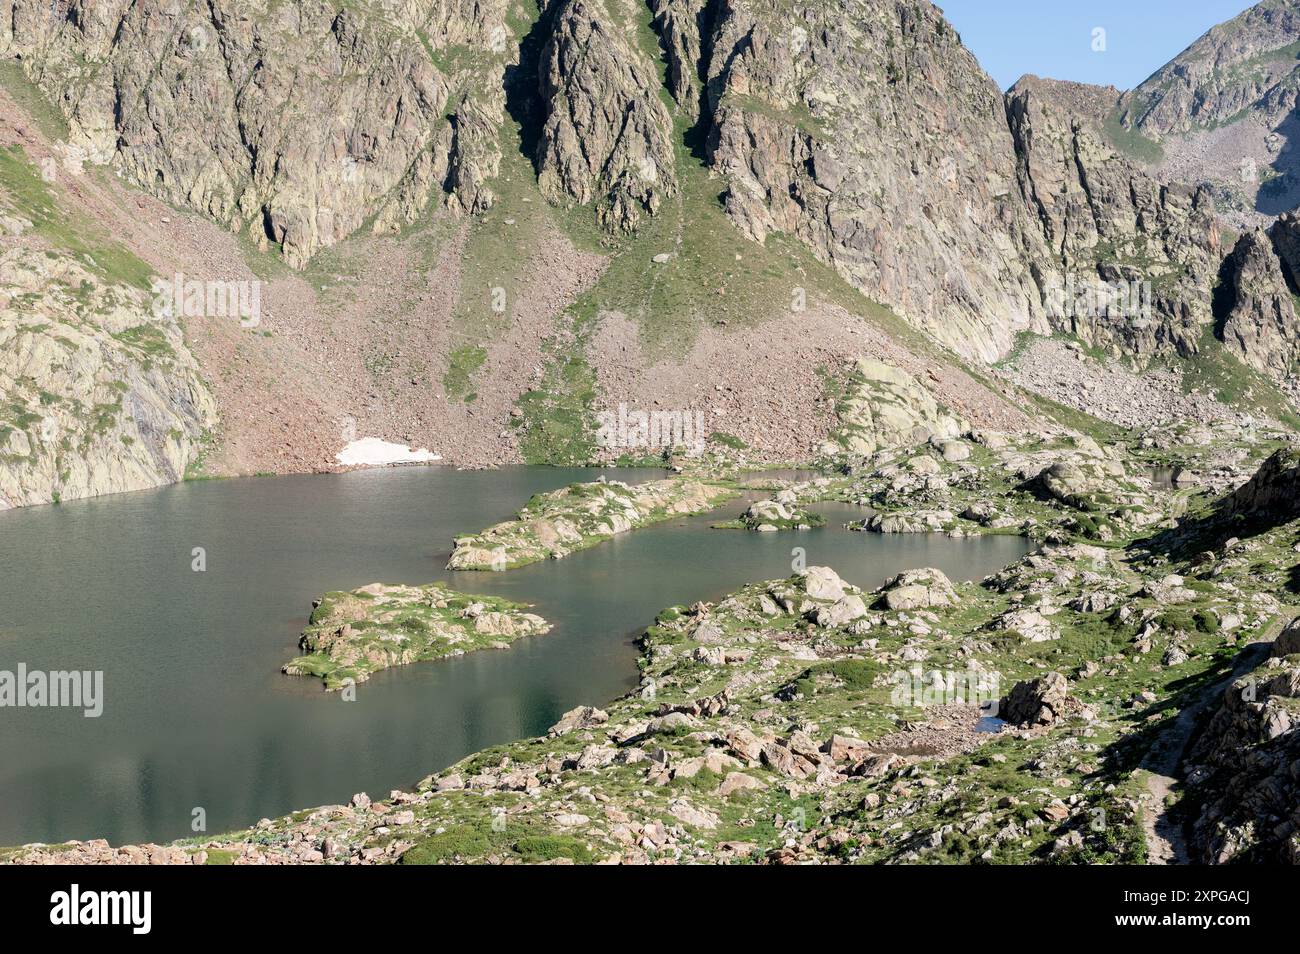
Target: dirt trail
[1166,838]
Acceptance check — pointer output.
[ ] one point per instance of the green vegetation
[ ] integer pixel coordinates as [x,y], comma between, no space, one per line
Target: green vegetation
[463,362]
[148,340]
[556,416]
[495,265]
[1216,371]
[1131,142]
[29,98]
[354,634]
[33,199]
[726,440]
[482,838]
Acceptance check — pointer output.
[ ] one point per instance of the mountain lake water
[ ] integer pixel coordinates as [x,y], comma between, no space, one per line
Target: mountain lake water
[196,713]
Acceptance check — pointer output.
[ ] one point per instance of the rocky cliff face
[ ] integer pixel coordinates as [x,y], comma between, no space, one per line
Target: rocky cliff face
[1134,259]
[293,122]
[869,132]
[1272,495]
[100,395]
[865,130]
[98,391]
[606,136]
[1260,325]
[683,27]
[1285,233]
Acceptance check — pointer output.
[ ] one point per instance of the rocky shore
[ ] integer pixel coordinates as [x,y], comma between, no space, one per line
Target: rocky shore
[555,524]
[803,720]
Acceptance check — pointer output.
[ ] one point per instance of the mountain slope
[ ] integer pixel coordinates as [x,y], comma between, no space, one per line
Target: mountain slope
[99,392]
[476,225]
[1248,63]
[1224,109]
[296,123]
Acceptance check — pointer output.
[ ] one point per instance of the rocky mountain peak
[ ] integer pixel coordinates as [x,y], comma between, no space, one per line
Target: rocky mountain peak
[1233,67]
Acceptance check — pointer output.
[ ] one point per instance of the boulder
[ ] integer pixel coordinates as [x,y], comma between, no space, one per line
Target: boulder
[583,717]
[1032,625]
[843,748]
[744,743]
[1288,641]
[840,613]
[823,583]
[918,589]
[785,761]
[955,451]
[1271,497]
[697,817]
[739,782]
[916,521]
[1037,702]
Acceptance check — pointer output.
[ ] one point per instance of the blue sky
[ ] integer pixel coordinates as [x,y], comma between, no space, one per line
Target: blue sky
[1055,37]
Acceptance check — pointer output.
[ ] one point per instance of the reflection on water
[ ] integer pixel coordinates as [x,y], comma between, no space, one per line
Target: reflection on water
[1162,478]
[196,712]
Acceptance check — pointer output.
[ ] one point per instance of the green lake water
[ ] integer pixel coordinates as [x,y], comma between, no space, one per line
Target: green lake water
[196,712]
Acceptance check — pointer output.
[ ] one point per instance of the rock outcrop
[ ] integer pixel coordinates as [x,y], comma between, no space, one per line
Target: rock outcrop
[1285,233]
[355,634]
[1132,260]
[1271,495]
[1036,702]
[555,524]
[100,395]
[782,512]
[1242,769]
[1078,482]
[680,25]
[1260,325]
[918,589]
[1288,641]
[883,407]
[1224,110]
[606,138]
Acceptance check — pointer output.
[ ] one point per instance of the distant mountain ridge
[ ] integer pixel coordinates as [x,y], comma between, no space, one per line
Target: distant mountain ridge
[1224,109]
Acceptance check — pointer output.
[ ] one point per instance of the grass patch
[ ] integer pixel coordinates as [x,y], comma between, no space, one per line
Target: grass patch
[1216,370]
[480,838]
[1131,142]
[29,98]
[32,199]
[462,364]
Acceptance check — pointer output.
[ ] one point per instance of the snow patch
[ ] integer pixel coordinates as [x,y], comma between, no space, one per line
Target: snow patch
[373,452]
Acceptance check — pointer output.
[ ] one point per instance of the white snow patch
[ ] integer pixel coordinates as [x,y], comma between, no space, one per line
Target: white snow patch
[373,452]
